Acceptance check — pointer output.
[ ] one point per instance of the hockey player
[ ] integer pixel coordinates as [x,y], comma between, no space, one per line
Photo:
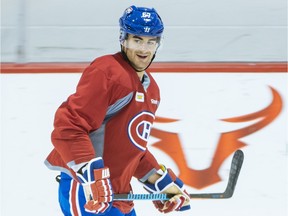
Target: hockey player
[101,131]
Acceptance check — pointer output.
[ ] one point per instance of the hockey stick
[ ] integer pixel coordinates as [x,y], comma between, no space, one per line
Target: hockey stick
[236,165]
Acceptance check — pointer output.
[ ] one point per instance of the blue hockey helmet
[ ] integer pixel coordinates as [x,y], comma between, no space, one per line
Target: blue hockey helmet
[140,21]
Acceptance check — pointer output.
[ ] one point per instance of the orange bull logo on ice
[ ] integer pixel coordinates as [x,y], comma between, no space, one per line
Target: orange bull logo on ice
[227,144]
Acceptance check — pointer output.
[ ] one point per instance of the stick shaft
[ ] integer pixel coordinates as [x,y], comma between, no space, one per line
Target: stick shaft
[153,197]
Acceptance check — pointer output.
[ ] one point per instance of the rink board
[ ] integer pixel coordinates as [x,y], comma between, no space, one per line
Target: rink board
[206,112]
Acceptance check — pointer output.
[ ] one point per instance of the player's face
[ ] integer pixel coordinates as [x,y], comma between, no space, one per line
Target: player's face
[140,50]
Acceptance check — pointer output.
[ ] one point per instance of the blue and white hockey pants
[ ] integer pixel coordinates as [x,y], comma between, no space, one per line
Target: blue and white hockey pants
[72,200]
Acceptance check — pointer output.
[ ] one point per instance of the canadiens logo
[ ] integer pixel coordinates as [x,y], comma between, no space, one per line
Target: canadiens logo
[139,129]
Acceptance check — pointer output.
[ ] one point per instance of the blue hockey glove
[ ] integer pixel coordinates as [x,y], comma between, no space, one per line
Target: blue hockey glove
[168,183]
[94,178]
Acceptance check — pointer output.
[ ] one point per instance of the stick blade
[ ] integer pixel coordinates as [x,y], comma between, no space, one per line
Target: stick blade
[236,165]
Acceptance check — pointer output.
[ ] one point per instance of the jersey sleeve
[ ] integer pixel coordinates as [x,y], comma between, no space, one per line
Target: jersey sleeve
[148,165]
[82,113]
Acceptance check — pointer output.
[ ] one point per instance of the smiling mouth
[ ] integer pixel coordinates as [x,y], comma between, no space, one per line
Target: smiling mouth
[142,56]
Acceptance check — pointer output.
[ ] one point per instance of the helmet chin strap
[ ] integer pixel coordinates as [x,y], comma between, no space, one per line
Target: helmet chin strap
[127,59]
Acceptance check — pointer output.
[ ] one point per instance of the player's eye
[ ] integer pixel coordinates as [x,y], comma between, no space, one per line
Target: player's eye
[151,43]
[138,41]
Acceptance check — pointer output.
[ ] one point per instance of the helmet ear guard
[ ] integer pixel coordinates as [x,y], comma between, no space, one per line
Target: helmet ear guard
[123,36]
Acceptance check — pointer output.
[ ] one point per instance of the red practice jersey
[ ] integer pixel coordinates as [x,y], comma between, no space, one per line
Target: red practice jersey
[110,116]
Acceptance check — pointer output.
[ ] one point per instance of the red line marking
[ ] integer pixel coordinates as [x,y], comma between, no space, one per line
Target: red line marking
[167,67]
